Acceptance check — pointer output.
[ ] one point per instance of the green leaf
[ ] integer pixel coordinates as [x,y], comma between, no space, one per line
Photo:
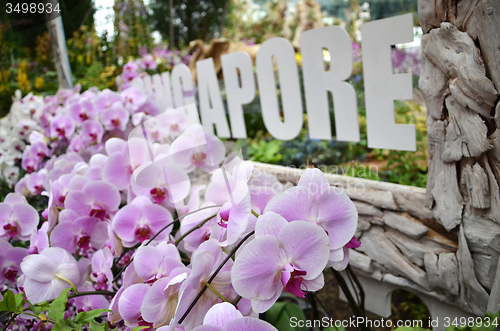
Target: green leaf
[58,306]
[94,326]
[8,302]
[88,316]
[138,328]
[281,313]
[61,326]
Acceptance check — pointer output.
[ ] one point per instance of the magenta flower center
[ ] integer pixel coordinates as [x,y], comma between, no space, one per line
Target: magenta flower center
[11,229]
[83,241]
[97,211]
[292,280]
[143,232]
[199,159]
[84,117]
[158,194]
[61,131]
[174,127]
[115,122]
[10,273]
[224,218]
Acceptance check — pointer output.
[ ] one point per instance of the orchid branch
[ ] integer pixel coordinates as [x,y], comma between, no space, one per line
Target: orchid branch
[156,235]
[194,228]
[233,251]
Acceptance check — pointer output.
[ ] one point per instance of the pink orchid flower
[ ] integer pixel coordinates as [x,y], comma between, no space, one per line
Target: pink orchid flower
[92,132]
[153,263]
[102,261]
[160,302]
[117,169]
[18,219]
[314,200]
[36,181]
[48,273]
[62,126]
[39,240]
[81,234]
[10,260]
[97,199]
[197,149]
[106,99]
[204,262]
[148,62]
[140,220]
[263,187]
[82,110]
[201,234]
[90,302]
[129,305]
[224,317]
[283,256]
[133,99]
[115,117]
[234,196]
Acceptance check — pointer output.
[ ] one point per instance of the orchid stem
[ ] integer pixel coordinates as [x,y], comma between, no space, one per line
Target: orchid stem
[156,235]
[217,293]
[214,275]
[194,228]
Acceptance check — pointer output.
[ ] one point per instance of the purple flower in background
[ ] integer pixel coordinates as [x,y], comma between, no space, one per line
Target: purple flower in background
[97,199]
[82,110]
[115,117]
[106,99]
[18,219]
[92,132]
[90,302]
[398,58]
[148,62]
[81,234]
[140,220]
[356,50]
[102,261]
[129,71]
[134,99]
[62,126]
[10,260]
[153,263]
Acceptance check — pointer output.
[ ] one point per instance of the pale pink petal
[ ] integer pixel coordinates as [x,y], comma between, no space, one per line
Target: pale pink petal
[269,224]
[307,247]
[255,270]
[130,302]
[220,314]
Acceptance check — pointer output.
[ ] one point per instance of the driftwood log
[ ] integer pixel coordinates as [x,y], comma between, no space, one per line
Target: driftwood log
[460,82]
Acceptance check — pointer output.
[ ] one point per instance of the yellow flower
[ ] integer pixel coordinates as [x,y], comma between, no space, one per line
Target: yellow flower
[39,83]
[108,71]
[23,66]
[6,75]
[298,58]
[22,80]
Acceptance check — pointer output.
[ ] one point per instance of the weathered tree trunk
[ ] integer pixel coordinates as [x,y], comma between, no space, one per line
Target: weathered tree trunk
[58,46]
[460,82]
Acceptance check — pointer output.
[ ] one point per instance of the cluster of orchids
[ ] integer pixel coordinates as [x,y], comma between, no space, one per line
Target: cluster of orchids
[159,59]
[129,226]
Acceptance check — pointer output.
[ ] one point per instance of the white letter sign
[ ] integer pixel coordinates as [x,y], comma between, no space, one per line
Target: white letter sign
[211,106]
[382,87]
[317,83]
[291,97]
[238,95]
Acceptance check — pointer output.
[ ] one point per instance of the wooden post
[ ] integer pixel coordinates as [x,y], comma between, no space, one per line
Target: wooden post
[59,50]
[460,82]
